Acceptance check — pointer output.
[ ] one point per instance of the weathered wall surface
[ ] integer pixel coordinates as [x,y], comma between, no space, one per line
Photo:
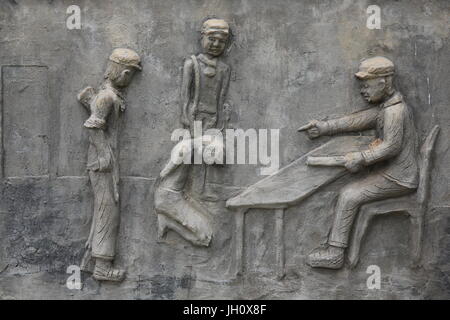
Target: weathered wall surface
[291,61]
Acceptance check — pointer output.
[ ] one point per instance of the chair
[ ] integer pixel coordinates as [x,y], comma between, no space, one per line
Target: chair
[414,205]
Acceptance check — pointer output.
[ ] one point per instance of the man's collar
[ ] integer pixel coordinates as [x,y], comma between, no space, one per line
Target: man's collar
[395,99]
[210,62]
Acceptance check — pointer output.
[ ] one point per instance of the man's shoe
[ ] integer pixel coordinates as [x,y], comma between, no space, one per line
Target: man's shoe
[112,274]
[329,257]
[104,271]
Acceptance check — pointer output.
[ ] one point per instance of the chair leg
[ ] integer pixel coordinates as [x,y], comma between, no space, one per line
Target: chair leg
[416,238]
[361,225]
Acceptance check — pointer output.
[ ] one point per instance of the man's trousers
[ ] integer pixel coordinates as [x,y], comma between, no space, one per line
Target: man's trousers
[372,188]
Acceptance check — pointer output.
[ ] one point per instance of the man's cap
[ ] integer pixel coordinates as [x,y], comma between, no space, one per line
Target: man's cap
[126,57]
[375,67]
[215,25]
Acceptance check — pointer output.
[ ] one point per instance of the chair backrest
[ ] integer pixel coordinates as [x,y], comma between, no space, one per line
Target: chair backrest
[425,166]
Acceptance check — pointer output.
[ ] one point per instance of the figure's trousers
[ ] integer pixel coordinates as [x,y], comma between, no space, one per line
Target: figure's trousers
[372,188]
[106,215]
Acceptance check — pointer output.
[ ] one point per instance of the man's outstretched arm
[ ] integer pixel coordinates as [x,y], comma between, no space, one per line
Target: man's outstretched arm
[358,121]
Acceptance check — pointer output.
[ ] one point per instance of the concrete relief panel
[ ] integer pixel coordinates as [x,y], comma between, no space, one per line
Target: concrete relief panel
[118,184]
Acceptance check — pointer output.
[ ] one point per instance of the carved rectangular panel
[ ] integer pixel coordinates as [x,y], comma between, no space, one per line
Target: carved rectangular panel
[25,121]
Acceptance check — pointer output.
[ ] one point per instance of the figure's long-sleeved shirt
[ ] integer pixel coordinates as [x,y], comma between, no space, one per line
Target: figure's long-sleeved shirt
[396,144]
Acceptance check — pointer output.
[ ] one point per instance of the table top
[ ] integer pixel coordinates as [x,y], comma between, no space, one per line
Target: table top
[296,181]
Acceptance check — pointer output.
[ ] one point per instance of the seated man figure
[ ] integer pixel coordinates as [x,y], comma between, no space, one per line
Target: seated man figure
[393,155]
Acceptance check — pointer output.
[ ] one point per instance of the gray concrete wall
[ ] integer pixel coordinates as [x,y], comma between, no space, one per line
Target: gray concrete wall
[292,61]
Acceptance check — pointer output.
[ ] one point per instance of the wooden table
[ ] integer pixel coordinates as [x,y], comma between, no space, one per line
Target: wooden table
[287,187]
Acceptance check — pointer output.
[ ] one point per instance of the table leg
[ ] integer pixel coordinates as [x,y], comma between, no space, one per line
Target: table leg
[239,242]
[279,240]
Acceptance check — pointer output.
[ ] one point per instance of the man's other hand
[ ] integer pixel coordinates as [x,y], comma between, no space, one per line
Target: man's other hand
[354,161]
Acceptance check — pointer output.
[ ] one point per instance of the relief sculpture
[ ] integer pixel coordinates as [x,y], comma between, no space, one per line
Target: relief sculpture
[203,91]
[266,151]
[105,106]
[393,155]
